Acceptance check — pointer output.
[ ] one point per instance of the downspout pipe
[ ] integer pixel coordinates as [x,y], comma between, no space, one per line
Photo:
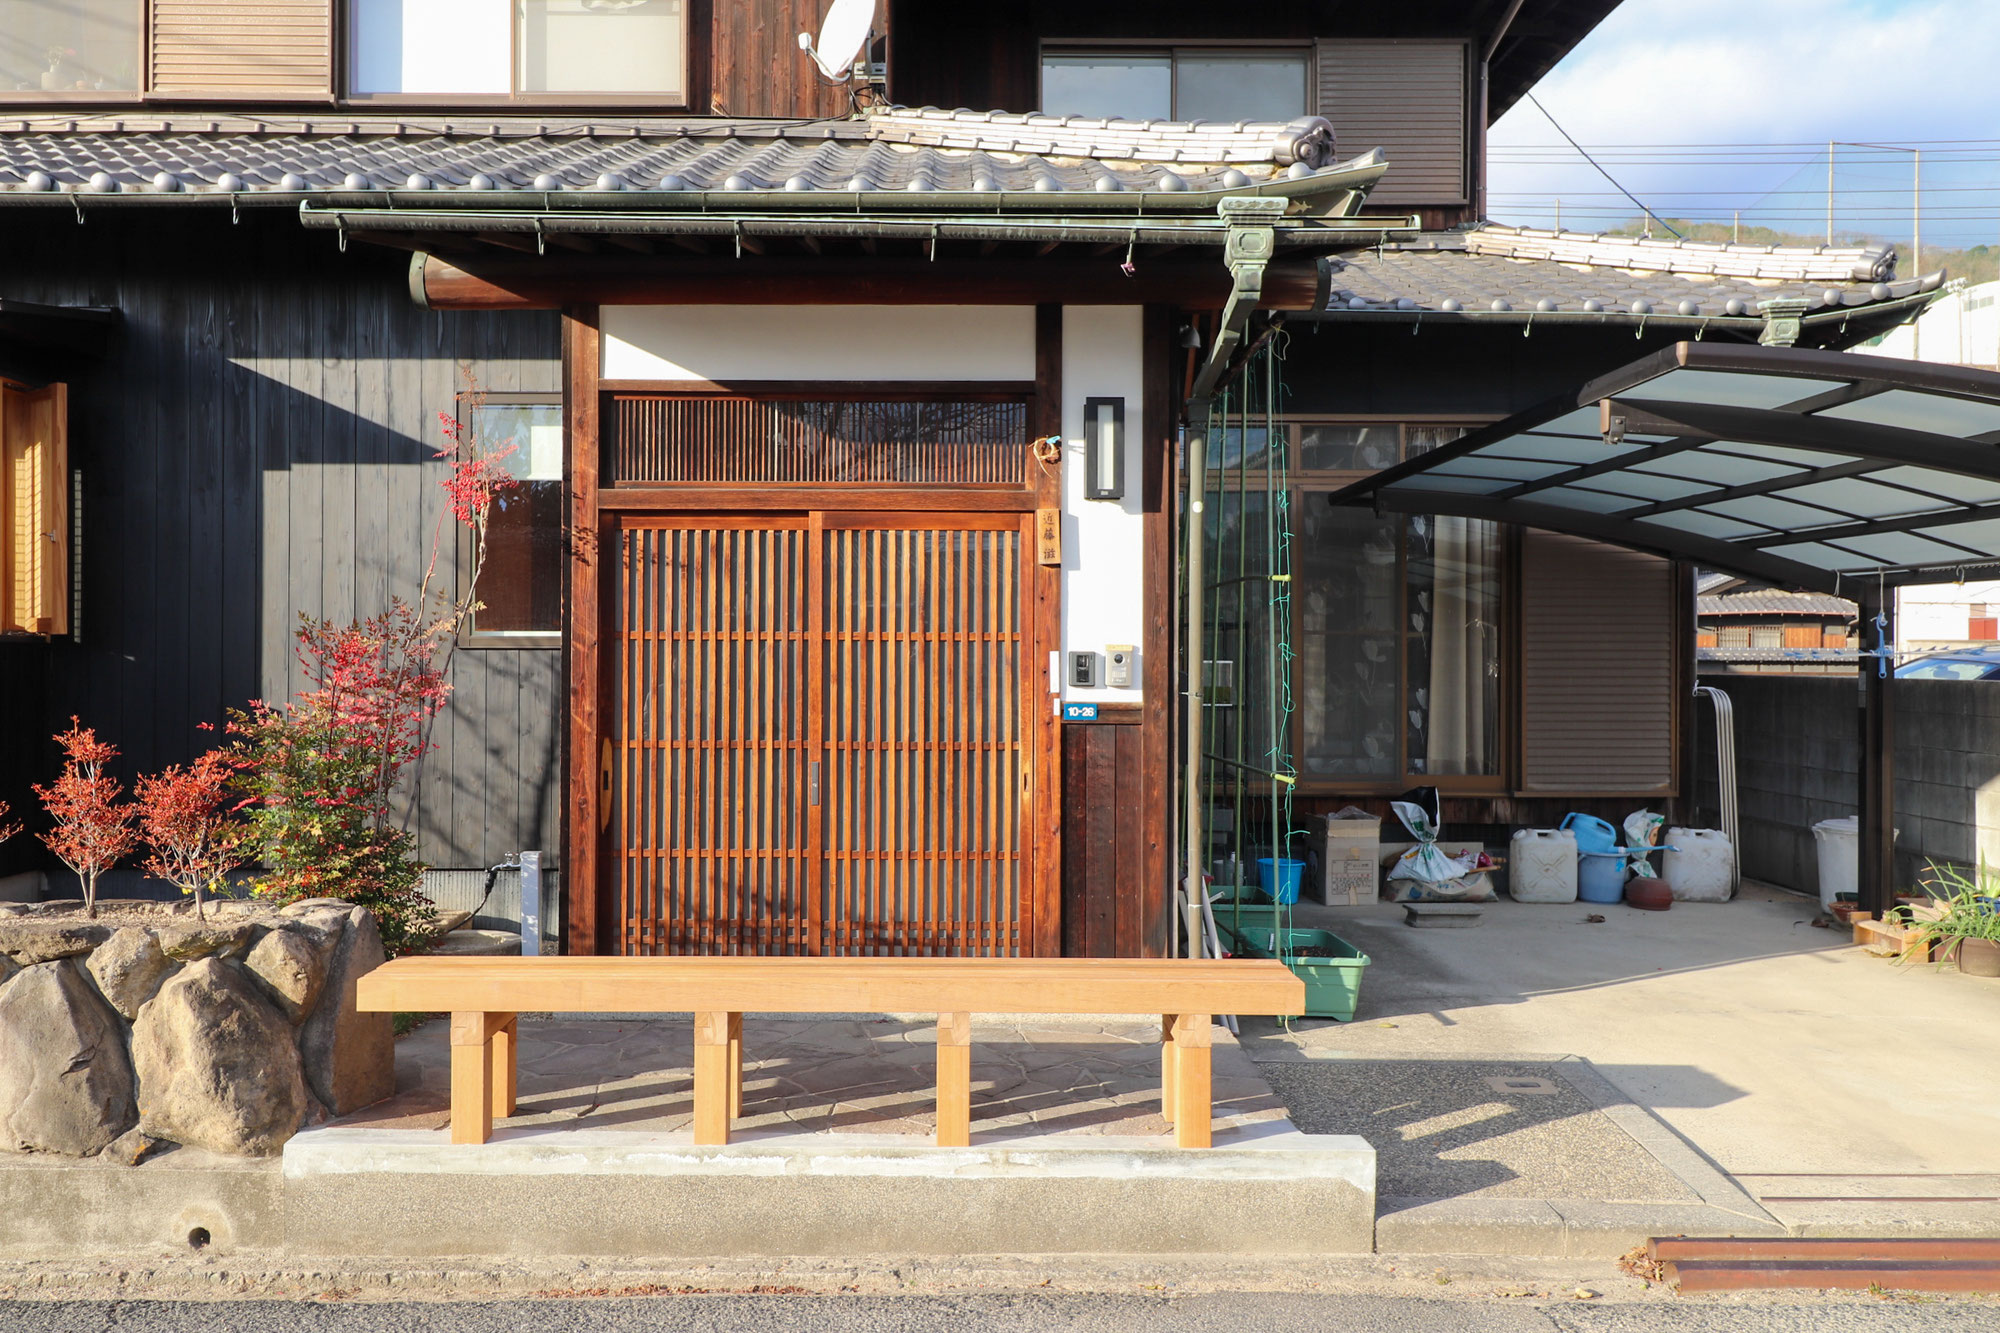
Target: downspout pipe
[1250,246]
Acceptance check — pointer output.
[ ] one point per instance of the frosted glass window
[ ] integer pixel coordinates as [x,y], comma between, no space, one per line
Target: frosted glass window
[1774,513]
[1982,534]
[1134,87]
[430,46]
[69,46]
[1730,390]
[1349,448]
[1597,502]
[1215,86]
[1705,524]
[1901,548]
[521,587]
[1650,487]
[603,46]
[1933,412]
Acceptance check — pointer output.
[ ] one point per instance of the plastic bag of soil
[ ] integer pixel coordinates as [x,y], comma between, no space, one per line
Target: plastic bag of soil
[1426,873]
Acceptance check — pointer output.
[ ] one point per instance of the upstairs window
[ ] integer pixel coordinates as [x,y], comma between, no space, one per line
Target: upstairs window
[538,50]
[74,47]
[1176,83]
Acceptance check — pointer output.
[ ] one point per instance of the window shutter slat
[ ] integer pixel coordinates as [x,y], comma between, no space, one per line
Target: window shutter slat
[34,457]
[218,49]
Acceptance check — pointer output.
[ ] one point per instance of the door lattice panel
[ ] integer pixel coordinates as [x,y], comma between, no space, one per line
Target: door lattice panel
[817,742]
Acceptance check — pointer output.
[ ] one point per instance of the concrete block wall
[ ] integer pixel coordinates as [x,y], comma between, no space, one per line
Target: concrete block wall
[1798,753]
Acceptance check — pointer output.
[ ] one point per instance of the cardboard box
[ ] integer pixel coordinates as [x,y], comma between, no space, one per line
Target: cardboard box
[1350,858]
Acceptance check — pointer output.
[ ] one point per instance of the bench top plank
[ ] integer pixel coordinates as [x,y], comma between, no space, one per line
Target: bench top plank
[834,985]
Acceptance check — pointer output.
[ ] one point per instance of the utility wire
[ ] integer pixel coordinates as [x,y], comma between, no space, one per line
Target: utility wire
[1600,170]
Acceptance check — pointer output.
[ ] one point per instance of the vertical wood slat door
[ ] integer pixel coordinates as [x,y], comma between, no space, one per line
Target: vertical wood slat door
[817,735]
[921,825]
[711,845]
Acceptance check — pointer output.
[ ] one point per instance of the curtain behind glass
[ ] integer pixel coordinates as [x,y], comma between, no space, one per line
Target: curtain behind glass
[1453,610]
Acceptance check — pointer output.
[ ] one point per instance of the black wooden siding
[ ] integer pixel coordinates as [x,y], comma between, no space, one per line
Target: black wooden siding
[258,444]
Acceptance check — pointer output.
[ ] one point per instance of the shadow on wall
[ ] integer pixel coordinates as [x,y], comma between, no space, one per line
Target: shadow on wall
[1799,760]
[257,444]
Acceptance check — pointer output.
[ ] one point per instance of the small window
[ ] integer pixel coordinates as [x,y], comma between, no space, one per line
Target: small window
[69,46]
[1766,636]
[520,589]
[1170,83]
[34,510]
[542,49]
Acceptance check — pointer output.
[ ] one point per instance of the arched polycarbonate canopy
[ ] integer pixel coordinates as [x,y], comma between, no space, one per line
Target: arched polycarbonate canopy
[1816,469]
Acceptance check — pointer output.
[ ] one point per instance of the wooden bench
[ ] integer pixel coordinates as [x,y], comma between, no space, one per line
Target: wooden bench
[483,995]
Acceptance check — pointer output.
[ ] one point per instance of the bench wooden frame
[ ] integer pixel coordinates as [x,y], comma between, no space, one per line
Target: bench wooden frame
[483,995]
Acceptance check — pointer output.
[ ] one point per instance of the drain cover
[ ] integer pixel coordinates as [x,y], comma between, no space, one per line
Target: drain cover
[1525,1087]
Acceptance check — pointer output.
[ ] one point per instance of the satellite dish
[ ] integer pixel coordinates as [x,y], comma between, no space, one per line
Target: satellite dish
[841,37]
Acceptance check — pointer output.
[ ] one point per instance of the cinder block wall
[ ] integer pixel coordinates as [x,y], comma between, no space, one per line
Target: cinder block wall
[1798,758]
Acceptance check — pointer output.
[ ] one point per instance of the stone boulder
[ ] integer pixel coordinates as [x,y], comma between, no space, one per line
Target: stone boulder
[66,1084]
[44,938]
[291,969]
[129,968]
[350,1057]
[8,967]
[217,1066]
[185,940]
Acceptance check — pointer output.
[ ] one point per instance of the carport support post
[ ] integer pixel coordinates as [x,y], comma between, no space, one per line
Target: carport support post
[1877,851]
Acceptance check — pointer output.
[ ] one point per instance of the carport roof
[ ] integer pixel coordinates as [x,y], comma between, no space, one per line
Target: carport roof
[1807,468]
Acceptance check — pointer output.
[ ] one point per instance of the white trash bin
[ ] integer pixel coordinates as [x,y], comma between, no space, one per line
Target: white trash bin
[1839,857]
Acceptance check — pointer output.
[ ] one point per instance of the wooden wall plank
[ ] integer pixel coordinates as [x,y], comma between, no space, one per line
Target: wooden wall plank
[588,926]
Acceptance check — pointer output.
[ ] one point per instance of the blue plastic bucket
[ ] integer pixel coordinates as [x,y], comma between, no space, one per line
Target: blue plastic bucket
[1600,876]
[1280,878]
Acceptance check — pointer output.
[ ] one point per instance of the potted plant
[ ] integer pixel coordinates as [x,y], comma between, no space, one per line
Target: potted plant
[1964,924]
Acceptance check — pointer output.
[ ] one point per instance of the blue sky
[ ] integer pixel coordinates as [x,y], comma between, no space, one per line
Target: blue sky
[1793,72]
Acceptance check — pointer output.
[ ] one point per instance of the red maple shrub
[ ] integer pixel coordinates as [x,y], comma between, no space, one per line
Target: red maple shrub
[188,817]
[92,829]
[7,830]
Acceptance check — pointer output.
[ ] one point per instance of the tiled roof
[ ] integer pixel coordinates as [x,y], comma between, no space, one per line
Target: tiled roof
[1771,602]
[898,149]
[1477,273]
[1651,254]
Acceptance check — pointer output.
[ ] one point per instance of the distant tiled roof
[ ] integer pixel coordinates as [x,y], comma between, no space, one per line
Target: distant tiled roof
[897,149]
[1650,254]
[1771,602]
[1461,273]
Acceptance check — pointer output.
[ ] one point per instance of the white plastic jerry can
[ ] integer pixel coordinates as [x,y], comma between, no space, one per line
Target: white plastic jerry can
[1699,866]
[1541,865]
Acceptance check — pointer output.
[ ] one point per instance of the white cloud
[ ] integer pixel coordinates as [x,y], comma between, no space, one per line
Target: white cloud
[1767,71]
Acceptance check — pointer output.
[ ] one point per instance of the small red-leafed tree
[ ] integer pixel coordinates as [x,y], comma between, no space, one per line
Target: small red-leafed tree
[92,829]
[7,830]
[188,817]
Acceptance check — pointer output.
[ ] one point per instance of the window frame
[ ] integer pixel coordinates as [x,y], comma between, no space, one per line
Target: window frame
[62,499]
[347,53]
[1175,48]
[472,636]
[1306,483]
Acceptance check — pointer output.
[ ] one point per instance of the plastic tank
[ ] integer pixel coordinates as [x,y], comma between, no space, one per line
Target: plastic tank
[1600,876]
[1699,865]
[1541,865]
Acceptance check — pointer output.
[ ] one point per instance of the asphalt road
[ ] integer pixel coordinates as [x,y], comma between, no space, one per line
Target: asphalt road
[1227,1313]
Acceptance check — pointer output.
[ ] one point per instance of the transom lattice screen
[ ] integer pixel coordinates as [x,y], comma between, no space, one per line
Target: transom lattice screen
[817,735]
[653,439]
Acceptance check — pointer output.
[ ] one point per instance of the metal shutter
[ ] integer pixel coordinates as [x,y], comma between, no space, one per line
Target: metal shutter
[1598,677]
[228,49]
[1408,99]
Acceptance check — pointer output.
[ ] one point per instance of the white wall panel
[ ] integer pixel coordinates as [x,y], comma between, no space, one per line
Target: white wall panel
[824,342]
[1103,540]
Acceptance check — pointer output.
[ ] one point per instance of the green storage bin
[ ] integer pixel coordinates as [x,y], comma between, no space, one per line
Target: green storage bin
[1333,982]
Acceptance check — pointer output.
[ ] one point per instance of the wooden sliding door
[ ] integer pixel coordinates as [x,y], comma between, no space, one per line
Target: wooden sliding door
[817,740]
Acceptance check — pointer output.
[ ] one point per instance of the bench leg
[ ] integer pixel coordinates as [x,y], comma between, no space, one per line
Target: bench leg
[506,1058]
[1192,1104]
[474,1064]
[735,1065]
[1167,1067]
[954,1081]
[711,1076]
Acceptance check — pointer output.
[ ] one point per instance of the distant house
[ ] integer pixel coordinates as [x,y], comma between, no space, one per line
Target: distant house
[1744,628]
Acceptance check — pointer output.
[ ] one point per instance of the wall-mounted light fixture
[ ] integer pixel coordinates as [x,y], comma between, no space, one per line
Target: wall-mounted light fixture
[1104,449]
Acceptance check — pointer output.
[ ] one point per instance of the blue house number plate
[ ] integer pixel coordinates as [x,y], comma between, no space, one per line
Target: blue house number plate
[1079,712]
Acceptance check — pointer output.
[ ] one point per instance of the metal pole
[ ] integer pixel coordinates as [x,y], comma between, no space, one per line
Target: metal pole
[1197,484]
[1877,850]
[531,904]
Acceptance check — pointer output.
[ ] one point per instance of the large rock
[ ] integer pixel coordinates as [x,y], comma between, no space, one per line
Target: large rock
[65,1081]
[43,939]
[217,1067]
[199,939]
[8,967]
[291,969]
[350,1056]
[129,968]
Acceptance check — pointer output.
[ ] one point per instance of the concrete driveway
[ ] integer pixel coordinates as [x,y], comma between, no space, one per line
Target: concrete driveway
[1836,1088]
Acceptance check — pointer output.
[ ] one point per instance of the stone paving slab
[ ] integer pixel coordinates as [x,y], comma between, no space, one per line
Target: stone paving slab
[828,1075]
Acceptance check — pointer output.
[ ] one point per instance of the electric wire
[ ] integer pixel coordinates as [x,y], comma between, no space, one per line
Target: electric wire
[1593,162]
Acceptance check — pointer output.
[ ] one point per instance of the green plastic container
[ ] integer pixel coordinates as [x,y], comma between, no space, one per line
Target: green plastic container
[1333,985]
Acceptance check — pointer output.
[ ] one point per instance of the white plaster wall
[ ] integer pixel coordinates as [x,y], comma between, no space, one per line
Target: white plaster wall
[1933,613]
[432,46]
[822,342]
[1103,540]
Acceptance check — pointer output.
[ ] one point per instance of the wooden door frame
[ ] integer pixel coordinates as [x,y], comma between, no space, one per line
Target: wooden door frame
[591,924]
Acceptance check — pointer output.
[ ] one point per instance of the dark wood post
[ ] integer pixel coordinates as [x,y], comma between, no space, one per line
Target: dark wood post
[1877,850]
